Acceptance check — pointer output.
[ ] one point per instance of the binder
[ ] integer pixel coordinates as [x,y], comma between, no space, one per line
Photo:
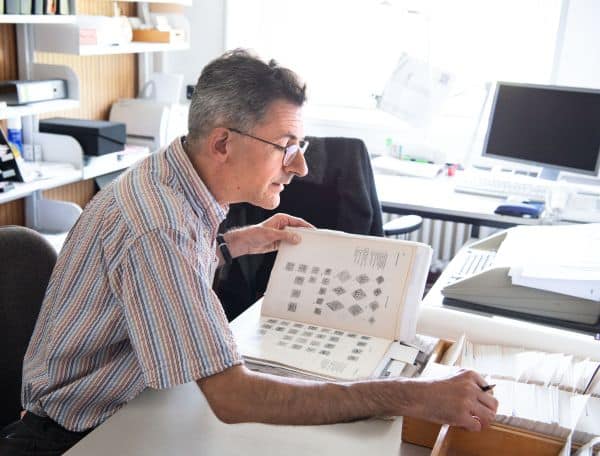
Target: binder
[50,7]
[9,161]
[26,6]
[63,6]
[13,7]
[38,6]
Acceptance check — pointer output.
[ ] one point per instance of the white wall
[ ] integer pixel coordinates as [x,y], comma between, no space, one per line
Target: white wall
[579,63]
[579,58]
[207,40]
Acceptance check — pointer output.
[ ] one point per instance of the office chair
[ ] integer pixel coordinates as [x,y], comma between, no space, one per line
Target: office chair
[338,193]
[27,262]
[402,226]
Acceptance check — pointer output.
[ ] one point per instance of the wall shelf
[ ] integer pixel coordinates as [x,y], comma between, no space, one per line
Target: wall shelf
[67,175]
[131,48]
[37,19]
[41,71]
[165,2]
[115,161]
[41,107]
[64,39]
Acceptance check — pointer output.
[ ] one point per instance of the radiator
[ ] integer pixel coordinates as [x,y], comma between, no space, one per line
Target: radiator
[446,238]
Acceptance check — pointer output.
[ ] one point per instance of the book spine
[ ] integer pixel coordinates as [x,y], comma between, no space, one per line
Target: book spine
[50,7]
[63,7]
[25,6]
[38,6]
[13,7]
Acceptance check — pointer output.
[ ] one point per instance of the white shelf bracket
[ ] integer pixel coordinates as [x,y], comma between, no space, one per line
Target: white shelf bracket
[49,216]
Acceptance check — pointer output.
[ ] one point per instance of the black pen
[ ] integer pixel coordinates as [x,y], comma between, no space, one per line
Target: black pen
[487,387]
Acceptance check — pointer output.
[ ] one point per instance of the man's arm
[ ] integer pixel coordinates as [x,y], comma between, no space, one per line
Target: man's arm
[239,395]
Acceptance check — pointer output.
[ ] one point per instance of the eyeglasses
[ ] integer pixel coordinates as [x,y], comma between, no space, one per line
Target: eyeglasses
[289,152]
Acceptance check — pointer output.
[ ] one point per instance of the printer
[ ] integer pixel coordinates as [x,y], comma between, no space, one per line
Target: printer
[150,123]
[481,281]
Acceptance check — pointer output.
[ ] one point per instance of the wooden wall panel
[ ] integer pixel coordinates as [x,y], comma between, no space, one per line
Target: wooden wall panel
[78,192]
[12,213]
[8,52]
[104,7]
[102,80]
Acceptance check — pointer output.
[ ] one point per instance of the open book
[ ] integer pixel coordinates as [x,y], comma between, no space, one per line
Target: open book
[337,306]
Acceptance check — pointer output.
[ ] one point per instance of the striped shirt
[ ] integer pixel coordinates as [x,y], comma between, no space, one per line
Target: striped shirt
[130,304]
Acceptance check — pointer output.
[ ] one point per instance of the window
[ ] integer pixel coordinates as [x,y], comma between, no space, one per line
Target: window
[347,49]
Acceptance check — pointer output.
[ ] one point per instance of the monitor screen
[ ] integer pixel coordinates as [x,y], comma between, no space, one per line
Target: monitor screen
[548,126]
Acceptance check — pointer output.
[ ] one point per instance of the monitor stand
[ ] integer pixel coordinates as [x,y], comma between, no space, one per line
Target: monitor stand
[549,174]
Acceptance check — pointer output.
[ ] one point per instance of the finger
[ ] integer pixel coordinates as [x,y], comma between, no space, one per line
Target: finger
[484,414]
[489,401]
[290,220]
[285,236]
[481,382]
[472,424]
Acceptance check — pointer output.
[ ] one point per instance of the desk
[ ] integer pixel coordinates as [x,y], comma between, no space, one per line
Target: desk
[180,421]
[436,199]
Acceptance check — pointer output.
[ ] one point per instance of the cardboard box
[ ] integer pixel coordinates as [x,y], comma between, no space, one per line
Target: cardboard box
[158,36]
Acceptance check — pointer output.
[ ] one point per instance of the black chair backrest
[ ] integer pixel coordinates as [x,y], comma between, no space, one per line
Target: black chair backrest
[27,261]
[338,193]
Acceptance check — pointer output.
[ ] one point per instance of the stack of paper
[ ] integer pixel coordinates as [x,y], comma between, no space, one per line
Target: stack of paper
[561,259]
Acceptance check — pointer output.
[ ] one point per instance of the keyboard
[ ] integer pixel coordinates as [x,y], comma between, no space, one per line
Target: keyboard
[488,184]
[474,262]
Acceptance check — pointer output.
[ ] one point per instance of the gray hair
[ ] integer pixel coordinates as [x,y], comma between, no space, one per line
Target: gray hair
[236,89]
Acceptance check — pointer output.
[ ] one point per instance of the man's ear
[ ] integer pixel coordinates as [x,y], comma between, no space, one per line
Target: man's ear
[218,143]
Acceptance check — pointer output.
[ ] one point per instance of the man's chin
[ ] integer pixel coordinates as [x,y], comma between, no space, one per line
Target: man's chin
[268,203]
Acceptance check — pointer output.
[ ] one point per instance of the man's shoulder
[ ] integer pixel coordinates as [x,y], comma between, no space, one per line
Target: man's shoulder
[150,197]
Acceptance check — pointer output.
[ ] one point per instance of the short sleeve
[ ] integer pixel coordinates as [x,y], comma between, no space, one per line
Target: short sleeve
[175,322]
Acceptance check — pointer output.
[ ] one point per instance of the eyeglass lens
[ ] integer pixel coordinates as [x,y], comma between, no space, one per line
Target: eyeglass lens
[292,151]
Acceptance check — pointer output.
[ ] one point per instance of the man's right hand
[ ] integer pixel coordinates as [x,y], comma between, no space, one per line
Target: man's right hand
[458,400]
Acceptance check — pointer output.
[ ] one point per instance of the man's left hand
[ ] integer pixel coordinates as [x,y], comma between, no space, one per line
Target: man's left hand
[264,237]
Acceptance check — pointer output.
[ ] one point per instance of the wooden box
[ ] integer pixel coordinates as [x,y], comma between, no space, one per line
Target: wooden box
[497,439]
[158,36]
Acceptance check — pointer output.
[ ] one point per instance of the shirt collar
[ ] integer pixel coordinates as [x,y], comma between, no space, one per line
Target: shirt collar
[197,194]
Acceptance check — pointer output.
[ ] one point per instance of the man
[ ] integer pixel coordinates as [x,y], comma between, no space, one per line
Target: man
[130,305]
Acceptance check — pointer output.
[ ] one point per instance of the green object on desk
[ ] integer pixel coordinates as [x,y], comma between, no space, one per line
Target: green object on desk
[418,160]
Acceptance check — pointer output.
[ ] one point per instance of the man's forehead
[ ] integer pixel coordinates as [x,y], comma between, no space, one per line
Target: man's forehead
[285,118]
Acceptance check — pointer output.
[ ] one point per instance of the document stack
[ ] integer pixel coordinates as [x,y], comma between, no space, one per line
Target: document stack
[545,274]
[562,259]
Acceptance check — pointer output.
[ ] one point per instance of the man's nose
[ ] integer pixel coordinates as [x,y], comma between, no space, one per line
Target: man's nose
[297,166]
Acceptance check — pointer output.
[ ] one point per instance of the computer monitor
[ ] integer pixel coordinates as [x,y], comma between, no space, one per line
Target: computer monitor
[557,128]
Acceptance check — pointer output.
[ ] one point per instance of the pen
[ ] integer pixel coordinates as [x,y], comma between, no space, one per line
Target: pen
[487,387]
